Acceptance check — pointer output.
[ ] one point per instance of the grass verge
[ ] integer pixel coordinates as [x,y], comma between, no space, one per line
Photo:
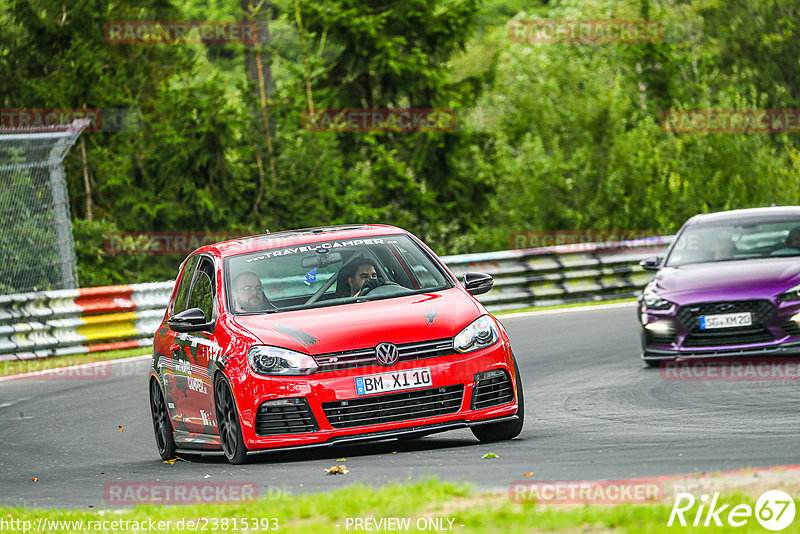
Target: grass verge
[40,364]
[427,506]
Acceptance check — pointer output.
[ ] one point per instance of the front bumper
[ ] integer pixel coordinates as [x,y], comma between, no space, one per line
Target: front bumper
[319,391]
[780,334]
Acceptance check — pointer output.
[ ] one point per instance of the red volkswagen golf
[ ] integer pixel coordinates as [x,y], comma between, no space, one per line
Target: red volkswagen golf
[326,336]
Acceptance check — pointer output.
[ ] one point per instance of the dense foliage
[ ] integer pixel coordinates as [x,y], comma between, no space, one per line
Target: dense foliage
[550,135]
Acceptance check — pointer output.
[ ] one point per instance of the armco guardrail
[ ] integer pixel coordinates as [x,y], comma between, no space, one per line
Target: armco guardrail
[54,323]
[561,274]
[73,321]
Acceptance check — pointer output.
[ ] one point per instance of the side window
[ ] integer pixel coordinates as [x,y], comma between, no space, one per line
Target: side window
[182,294]
[203,290]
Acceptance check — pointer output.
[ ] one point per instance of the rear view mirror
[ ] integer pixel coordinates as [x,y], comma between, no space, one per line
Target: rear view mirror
[321,260]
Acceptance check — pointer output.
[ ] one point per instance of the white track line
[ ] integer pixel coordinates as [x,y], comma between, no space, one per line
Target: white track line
[566,310]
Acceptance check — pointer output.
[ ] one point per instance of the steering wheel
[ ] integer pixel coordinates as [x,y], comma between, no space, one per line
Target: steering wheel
[379,287]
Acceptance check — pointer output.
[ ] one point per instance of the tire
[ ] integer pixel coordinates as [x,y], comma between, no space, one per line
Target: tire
[653,363]
[230,431]
[506,429]
[162,426]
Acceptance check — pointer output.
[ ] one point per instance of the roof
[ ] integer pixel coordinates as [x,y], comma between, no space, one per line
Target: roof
[773,212]
[304,236]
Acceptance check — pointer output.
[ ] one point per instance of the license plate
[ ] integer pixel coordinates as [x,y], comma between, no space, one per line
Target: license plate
[725,320]
[393,381]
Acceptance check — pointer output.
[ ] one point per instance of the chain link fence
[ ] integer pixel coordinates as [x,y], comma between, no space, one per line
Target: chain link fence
[36,248]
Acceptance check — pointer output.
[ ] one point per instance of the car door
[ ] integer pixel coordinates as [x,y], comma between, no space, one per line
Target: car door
[195,400]
[165,342]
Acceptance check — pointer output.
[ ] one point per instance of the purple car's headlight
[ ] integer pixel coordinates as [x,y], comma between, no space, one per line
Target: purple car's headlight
[653,301]
[266,360]
[790,295]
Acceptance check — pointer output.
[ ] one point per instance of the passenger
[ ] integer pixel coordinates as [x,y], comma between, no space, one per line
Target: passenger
[248,294]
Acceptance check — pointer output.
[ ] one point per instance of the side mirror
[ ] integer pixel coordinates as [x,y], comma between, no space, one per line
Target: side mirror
[653,263]
[477,283]
[191,320]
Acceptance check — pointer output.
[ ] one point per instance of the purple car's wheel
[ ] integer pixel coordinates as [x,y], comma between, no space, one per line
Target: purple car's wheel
[230,432]
[162,426]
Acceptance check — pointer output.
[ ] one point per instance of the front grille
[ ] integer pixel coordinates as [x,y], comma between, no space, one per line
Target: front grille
[690,314]
[285,416]
[760,310]
[791,328]
[492,390]
[336,361]
[736,336]
[394,407]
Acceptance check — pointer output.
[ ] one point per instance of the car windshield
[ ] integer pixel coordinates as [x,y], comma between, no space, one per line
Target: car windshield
[731,241]
[330,273]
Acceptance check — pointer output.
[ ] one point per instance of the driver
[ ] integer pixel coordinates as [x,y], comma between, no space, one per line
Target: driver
[361,269]
[792,243]
[248,294]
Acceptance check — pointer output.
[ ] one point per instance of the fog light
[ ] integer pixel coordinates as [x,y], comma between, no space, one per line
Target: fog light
[796,318]
[661,328]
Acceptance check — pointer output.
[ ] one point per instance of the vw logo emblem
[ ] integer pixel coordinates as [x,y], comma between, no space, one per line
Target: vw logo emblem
[386,354]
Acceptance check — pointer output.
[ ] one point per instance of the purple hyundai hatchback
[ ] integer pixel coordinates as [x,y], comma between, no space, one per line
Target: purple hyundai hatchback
[729,286]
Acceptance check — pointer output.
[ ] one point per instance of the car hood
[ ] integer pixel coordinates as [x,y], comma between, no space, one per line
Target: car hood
[365,324]
[728,280]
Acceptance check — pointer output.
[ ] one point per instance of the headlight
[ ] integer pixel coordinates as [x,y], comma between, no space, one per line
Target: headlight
[478,335]
[653,301]
[267,360]
[790,295]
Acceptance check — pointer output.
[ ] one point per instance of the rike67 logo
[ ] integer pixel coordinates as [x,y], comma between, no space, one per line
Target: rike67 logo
[774,511]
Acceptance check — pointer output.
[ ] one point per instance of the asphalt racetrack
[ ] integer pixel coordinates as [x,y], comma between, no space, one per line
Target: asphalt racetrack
[593,411]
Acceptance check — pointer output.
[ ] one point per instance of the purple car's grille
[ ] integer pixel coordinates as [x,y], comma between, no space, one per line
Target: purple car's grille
[791,328]
[363,357]
[720,339]
[394,407]
[760,310]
